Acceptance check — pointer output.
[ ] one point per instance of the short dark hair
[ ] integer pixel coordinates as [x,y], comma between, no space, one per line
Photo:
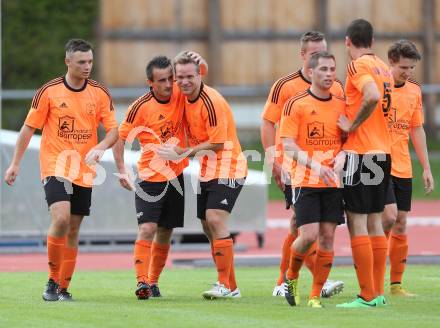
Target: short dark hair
[311,36]
[314,59]
[159,62]
[74,45]
[403,48]
[360,32]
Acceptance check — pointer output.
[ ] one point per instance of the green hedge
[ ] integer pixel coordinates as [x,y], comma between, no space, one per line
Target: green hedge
[33,37]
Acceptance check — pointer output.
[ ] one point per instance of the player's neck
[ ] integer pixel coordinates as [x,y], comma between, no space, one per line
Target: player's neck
[160,98]
[73,82]
[358,52]
[195,94]
[398,81]
[319,92]
[305,76]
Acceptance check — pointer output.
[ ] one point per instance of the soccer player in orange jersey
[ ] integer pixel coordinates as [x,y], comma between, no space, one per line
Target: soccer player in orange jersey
[404,120]
[283,89]
[213,139]
[155,118]
[70,108]
[368,163]
[311,137]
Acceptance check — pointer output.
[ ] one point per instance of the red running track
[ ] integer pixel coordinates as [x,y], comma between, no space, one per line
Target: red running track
[423,232]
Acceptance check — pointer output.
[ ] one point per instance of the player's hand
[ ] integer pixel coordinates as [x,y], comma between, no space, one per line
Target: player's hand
[94,156]
[126,181]
[203,65]
[277,174]
[344,123]
[169,152]
[428,181]
[338,162]
[11,174]
[327,175]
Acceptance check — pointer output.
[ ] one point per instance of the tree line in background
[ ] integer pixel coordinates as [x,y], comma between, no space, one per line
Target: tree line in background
[33,37]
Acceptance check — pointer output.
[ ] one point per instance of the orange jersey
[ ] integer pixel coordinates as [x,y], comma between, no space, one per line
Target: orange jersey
[69,119]
[406,113]
[282,90]
[372,135]
[210,119]
[312,123]
[153,123]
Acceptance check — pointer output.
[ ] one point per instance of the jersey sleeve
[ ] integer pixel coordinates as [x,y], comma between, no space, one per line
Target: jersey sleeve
[215,121]
[338,89]
[107,112]
[39,110]
[359,74]
[272,109]
[417,117]
[133,118]
[289,126]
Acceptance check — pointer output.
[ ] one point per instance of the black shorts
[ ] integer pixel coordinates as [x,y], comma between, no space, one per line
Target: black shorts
[366,181]
[400,193]
[161,203]
[318,205]
[59,189]
[218,194]
[288,196]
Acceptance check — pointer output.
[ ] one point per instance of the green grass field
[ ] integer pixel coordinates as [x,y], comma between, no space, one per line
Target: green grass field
[106,299]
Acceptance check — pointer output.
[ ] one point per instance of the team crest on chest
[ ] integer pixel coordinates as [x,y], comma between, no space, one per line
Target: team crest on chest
[315,130]
[66,123]
[90,108]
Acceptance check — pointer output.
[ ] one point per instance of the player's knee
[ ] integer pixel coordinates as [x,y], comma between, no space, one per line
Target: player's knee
[400,225]
[61,220]
[163,235]
[309,238]
[326,241]
[147,231]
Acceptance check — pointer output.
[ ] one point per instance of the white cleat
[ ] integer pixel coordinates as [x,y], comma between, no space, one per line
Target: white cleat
[217,291]
[235,293]
[278,290]
[331,288]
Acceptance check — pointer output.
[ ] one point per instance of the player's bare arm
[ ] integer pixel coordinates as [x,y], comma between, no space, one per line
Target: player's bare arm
[95,154]
[268,133]
[173,153]
[125,180]
[24,137]
[418,138]
[371,97]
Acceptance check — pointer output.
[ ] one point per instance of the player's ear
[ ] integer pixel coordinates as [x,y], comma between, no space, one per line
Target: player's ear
[149,83]
[347,41]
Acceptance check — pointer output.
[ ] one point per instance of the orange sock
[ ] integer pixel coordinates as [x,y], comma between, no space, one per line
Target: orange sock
[363,264]
[68,266]
[285,257]
[224,258]
[141,256]
[310,258]
[379,245]
[398,255]
[232,282]
[295,263]
[387,234]
[159,255]
[55,250]
[323,265]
